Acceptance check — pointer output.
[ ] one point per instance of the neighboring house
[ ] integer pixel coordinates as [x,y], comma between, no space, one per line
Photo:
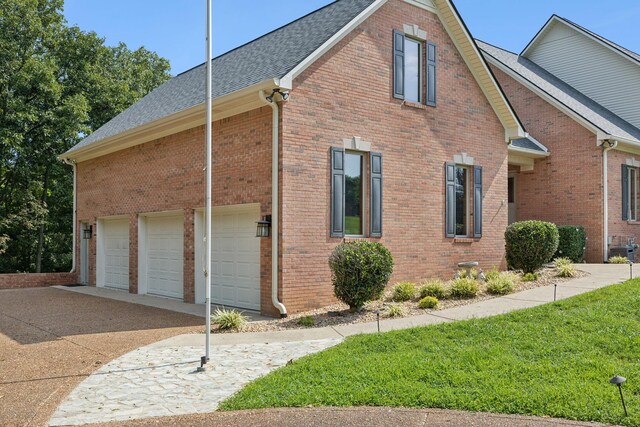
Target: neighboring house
[394,130]
[578,94]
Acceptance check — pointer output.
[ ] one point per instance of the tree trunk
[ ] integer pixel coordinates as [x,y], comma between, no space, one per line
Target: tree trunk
[43,199]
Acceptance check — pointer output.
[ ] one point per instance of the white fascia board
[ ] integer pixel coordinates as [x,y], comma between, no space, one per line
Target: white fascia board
[287,80]
[534,154]
[543,94]
[623,144]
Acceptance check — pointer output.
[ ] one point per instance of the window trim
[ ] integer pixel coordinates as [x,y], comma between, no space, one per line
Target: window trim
[364,171]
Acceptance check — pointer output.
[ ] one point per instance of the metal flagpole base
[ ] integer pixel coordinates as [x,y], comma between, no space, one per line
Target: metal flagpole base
[203,361]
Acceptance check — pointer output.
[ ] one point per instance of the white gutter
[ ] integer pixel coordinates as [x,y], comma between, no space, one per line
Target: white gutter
[606,145]
[75,202]
[274,203]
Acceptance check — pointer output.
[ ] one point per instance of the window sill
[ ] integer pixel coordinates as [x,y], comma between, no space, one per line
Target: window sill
[632,222]
[463,240]
[414,105]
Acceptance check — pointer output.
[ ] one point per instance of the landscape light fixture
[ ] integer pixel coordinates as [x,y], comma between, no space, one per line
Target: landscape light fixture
[263,226]
[87,233]
[618,380]
[378,317]
[630,269]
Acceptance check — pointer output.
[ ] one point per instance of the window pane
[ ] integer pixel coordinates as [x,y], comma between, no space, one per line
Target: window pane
[461,201]
[412,70]
[633,199]
[511,190]
[353,194]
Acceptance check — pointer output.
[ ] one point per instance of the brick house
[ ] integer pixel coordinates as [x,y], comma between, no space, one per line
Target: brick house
[383,122]
[577,93]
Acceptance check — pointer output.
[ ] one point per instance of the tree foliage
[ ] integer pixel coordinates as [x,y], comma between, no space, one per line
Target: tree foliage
[57,85]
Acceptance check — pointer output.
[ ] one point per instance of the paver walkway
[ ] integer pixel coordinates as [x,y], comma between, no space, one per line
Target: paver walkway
[157,380]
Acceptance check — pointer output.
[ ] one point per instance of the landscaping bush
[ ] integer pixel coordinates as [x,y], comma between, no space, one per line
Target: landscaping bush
[530,277]
[572,242]
[464,288]
[428,302]
[561,262]
[564,267]
[618,260]
[360,272]
[394,310]
[530,244]
[306,321]
[435,289]
[503,284]
[472,274]
[404,291]
[228,319]
[492,274]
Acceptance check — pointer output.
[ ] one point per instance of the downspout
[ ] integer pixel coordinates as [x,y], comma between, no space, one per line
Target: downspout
[275,230]
[606,145]
[75,201]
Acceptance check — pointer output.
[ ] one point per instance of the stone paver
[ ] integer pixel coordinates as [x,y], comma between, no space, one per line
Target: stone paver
[161,381]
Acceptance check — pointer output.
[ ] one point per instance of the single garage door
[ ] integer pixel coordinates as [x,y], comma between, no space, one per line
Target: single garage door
[164,256]
[235,269]
[115,253]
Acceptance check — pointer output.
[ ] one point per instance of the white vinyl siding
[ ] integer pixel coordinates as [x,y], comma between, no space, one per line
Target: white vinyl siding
[600,73]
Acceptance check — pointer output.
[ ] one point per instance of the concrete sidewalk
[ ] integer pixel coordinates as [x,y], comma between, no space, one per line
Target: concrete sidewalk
[600,275]
[160,379]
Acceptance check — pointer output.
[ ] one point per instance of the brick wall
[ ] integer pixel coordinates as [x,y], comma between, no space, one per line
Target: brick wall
[167,175]
[36,280]
[566,187]
[348,92]
[619,230]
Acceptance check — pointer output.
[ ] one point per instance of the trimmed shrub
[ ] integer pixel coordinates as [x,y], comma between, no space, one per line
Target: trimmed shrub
[404,291]
[566,270]
[435,289]
[492,274]
[618,260]
[228,319]
[464,288]
[530,277]
[428,302]
[360,271]
[561,262]
[572,242]
[394,310]
[530,244]
[501,285]
[473,274]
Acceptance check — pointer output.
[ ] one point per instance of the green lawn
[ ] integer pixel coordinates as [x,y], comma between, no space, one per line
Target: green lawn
[551,360]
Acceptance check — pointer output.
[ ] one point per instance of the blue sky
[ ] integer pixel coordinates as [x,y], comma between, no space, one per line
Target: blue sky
[175,28]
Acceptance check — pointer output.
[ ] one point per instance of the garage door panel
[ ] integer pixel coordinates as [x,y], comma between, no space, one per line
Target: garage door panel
[165,256]
[116,253]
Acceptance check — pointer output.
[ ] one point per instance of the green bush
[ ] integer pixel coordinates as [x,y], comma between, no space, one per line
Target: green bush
[360,271]
[307,321]
[564,267]
[472,274]
[395,310]
[428,302]
[530,277]
[434,288]
[464,288]
[404,291]
[572,242]
[492,274]
[503,284]
[561,262]
[618,260]
[228,319]
[530,244]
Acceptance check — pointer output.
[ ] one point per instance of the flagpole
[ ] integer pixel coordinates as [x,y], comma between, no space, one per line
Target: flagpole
[209,172]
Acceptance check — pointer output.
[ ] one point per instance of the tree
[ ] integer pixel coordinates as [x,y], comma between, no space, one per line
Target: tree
[57,85]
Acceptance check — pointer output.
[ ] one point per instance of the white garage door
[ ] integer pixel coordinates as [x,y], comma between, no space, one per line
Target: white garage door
[164,256]
[116,253]
[235,269]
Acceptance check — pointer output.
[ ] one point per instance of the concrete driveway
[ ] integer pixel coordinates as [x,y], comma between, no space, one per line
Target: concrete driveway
[51,339]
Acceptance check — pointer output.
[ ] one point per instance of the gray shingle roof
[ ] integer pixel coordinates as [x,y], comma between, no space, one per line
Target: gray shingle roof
[528,144]
[571,98]
[270,56]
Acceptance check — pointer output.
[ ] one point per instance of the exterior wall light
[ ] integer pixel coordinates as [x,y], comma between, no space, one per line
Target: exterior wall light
[264,226]
[87,233]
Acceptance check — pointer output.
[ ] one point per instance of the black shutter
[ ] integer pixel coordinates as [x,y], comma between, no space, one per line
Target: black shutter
[431,74]
[398,64]
[375,162]
[450,199]
[625,192]
[477,201]
[337,192]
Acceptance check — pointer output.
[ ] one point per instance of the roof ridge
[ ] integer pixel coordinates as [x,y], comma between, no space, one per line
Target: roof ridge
[261,37]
